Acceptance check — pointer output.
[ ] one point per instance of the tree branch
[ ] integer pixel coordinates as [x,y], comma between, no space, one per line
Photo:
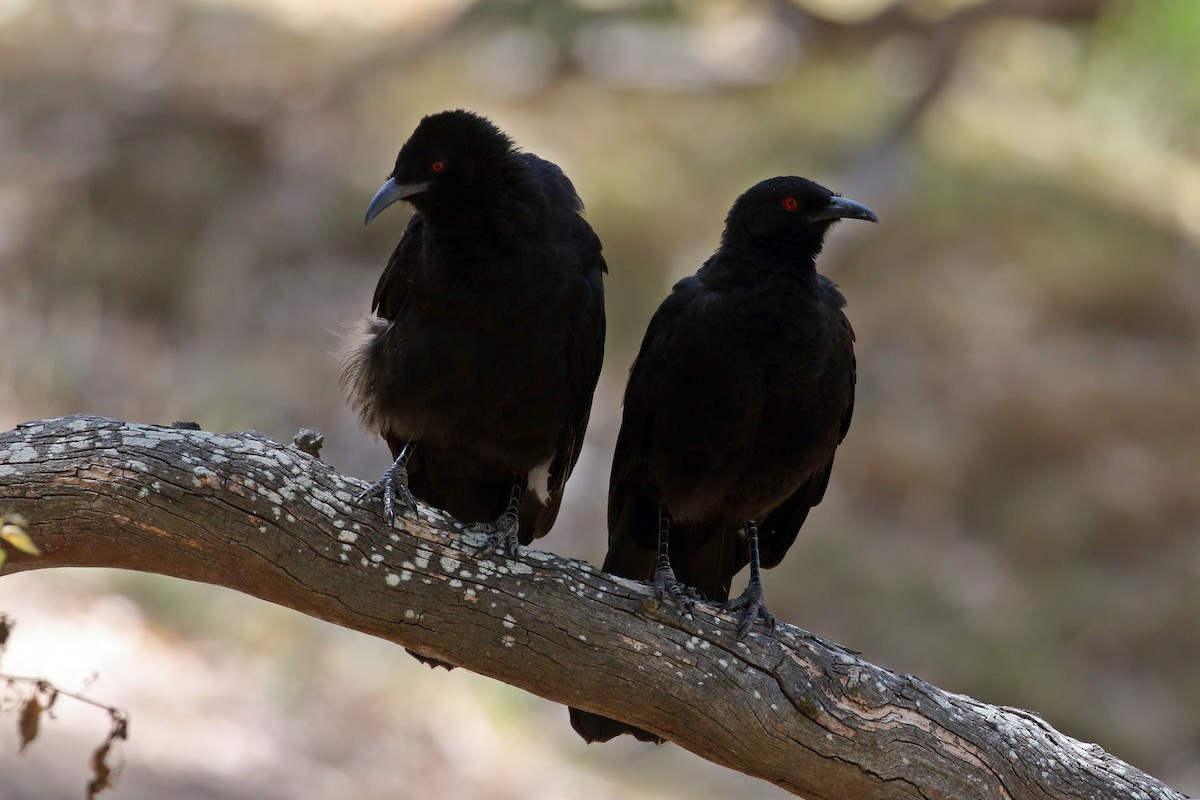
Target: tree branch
[242,511]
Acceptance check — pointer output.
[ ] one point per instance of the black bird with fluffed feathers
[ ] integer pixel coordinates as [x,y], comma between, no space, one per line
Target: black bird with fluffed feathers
[742,391]
[480,366]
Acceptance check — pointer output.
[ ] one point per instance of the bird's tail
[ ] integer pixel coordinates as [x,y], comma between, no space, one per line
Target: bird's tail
[631,554]
[595,728]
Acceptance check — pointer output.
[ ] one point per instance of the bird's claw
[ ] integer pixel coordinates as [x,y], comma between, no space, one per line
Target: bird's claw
[393,488]
[684,596]
[752,605]
[501,534]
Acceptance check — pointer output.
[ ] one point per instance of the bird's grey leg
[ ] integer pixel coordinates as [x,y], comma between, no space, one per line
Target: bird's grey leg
[665,581]
[751,603]
[503,533]
[393,486]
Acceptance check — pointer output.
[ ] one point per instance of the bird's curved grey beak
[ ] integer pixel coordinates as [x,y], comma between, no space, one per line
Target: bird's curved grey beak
[845,208]
[389,193]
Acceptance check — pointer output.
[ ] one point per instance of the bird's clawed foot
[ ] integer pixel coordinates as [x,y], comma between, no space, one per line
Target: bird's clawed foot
[501,535]
[665,583]
[750,606]
[504,533]
[393,488]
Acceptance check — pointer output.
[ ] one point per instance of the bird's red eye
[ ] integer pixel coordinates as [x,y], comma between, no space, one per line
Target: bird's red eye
[437,166]
[790,203]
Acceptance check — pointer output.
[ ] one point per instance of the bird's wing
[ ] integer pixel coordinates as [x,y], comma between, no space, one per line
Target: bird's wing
[553,182]
[777,532]
[783,524]
[585,356]
[631,514]
[701,560]
[362,370]
[391,293]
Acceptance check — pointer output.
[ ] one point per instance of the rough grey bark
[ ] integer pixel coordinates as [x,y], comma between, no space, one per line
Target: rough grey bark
[242,511]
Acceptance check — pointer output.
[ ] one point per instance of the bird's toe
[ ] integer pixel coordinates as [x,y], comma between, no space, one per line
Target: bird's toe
[393,489]
[502,535]
[681,594]
[749,607]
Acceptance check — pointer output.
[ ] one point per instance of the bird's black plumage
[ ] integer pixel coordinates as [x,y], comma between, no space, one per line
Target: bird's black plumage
[490,329]
[741,393]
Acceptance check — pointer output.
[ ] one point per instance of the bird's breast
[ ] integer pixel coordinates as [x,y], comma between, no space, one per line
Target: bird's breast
[761,399]
[480,379]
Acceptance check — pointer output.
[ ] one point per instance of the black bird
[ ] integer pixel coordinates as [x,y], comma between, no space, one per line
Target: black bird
[741,393]
[480,367]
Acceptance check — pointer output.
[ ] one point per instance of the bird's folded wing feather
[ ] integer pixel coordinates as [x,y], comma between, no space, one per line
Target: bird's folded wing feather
[392,291]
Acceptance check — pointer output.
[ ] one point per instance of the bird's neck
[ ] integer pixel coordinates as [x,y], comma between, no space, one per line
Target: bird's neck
[472,249]
[729,269]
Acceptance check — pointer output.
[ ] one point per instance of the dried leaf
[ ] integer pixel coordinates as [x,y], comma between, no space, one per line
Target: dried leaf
[101,772]
[27,725]
[104,775]
[18,538]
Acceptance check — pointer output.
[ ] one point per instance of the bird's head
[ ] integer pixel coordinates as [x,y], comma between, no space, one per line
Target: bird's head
[789,214]
[447,155]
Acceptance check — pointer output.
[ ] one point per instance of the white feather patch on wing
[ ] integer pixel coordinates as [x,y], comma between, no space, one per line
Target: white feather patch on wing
[538,480]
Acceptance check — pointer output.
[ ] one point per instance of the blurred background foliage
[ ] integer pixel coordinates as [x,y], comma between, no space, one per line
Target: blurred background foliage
[1014,515]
